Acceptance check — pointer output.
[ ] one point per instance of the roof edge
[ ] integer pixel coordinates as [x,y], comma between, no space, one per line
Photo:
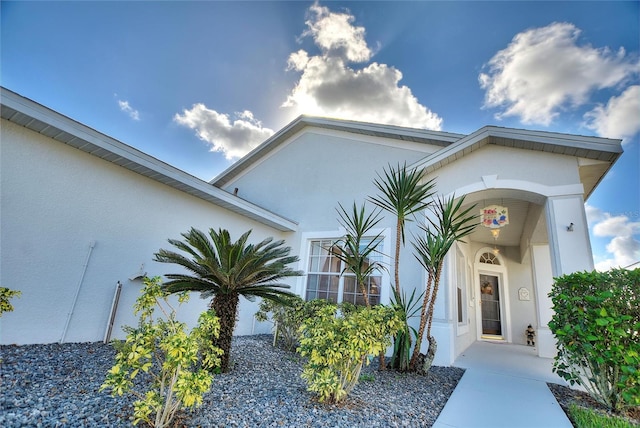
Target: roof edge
[302,121]
[483,135]
[111,150]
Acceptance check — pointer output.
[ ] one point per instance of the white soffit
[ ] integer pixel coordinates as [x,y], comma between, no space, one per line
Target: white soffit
[40,119]
[595,148]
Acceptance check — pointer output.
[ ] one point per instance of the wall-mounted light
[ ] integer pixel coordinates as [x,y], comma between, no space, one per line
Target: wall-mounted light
[138,275]
[570,228]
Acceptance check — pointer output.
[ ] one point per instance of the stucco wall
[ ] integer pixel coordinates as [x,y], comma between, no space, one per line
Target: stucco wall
[55,201]
[313,172]
[525,166]
[308,176]
[523,312]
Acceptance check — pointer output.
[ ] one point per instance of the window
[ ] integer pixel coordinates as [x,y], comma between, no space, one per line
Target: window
[324,279]
[489,258]
[461,292]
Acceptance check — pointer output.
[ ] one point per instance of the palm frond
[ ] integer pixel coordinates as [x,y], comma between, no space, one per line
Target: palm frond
[402,193]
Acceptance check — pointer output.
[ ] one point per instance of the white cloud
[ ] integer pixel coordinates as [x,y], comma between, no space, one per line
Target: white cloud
[125,107]
[624,247]
[544,70]
[328,86]
[233,138]
[335,34]
[620,118]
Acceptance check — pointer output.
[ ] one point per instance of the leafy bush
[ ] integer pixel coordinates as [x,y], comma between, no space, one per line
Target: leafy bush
[206,335]
[5,295]
[172,361]
[597,325]
[337,344]
[288,317]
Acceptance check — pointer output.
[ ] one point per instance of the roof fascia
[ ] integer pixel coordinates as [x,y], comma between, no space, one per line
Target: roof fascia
[556,142]
[82,137]
[365,128]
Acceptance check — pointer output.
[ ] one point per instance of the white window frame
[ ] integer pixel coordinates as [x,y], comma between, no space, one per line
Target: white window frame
[336,234]
[461,281]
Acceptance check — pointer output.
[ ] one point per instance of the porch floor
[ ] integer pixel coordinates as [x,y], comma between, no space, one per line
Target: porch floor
[504,385]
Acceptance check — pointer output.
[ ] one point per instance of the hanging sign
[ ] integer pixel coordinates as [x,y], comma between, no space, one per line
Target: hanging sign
[494,216]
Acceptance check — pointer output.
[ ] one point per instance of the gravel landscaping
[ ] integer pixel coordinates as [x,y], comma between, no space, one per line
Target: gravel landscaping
[57,385]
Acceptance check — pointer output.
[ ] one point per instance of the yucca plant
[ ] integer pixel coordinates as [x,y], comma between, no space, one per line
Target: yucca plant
[402,194]
[226,270]
[356,249]
[408,308]
[450,223]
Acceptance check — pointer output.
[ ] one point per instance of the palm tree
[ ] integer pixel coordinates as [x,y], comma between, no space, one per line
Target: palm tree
[403,196]
[354,250]
[451,224]
[226,270]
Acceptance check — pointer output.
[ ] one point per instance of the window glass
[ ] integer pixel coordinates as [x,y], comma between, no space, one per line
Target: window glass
[325,282]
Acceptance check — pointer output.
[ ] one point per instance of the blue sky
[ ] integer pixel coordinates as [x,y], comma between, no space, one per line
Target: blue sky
[198,84]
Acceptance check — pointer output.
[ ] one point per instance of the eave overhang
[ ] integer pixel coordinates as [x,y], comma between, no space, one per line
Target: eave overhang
[437,138]
[586,147]
[44,121]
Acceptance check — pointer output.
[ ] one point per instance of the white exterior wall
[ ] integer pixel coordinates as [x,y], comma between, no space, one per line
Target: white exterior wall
[515,166]
[317,169]
[523,312]
[55,201]
[492,167]
[568,235]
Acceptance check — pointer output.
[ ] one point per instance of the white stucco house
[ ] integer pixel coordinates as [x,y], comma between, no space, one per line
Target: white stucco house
[82,212]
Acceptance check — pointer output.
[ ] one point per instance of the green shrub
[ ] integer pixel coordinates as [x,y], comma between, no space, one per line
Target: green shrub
[597,326]
[171,361]
[206,335]
[5,295]
[289,317]
[337,344]
[286,317]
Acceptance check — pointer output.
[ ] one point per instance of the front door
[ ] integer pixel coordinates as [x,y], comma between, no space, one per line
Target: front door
[490,307]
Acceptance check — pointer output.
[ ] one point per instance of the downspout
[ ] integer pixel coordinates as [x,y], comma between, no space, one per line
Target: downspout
[75,298]
[112,313]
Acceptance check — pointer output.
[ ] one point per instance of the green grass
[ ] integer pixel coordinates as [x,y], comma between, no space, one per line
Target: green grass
[366,377]
[587,418]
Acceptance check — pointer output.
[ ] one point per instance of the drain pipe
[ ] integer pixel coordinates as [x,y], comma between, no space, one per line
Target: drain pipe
[112,314]
[75,298]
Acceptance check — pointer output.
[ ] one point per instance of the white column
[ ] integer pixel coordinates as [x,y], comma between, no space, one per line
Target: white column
[569,251]
[543,279]
[568,235]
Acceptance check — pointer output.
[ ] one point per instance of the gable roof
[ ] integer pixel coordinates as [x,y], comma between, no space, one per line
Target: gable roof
[597,154]
[438,138]
[40,119]
[603,152]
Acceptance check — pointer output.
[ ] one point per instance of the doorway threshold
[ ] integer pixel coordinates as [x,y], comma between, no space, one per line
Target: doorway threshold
[492,337]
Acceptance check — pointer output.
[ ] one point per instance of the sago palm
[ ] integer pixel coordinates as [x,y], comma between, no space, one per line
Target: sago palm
[224,270]
[450,223]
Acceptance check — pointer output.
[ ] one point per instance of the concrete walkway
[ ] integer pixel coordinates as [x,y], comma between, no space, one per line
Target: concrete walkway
[504,385]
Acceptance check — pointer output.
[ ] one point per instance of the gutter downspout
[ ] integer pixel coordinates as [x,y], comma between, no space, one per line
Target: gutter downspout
[112,313]
[75,298]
